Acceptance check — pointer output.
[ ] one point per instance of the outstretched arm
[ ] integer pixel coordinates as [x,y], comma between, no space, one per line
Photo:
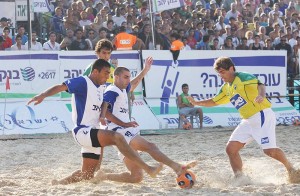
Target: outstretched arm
[135,82]
[49,92]
[205,103]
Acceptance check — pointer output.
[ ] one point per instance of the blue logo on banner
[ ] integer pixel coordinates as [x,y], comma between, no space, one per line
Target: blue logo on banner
[168,87]
[207,120]
[28,73]
[238,101]
[264,140]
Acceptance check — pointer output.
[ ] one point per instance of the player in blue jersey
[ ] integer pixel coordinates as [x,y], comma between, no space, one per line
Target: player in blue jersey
[87,97]
[116,101]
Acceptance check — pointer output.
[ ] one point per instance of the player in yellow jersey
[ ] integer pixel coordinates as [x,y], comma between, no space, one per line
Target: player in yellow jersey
[248,96]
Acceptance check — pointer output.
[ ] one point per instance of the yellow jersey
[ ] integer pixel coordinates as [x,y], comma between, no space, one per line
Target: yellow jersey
[241,93]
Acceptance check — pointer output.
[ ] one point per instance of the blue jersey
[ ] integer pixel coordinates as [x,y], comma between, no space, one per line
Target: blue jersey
[86,101]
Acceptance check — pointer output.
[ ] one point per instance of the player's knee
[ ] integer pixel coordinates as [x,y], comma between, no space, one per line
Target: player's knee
[231,150]
[118,138]
[151,146]
[270,152]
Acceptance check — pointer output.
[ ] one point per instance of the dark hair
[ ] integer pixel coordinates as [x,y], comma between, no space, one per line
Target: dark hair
[6,28]
[120,70]
[122,29]
[102,29]
[223,62]
[175,35]
[99,64]
[19,36]
[184,85]
[103,43]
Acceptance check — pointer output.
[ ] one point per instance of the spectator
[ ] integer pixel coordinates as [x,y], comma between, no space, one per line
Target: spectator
[228,44]
[282,6]
[191,41]
[204,44]
[35,45]
[186,108]
[125,41]
[90,37]
[118,18]
[97,24]
[243,44]
[293,40]
[247,13]
[256,45]
[267,8]
[79,43]
[102,34]
[283,45]
[18,45]
[90,14]
[249,36]
[268,44]
[21,32]
[146,37]
[241,32]
[57,23]
[3,23]
[232,12]
[110,30]
[84,19]
[7,41]
[186,46]
[67,41]
[215,45]
[1,43]
[71,21]
[51,44]
[275,33]
[93,11]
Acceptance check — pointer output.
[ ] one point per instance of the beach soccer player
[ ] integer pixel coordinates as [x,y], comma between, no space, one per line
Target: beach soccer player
[115,100]
[248,96]
[87,97]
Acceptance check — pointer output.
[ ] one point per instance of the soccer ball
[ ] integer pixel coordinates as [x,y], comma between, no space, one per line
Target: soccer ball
[186,180]
[187,126]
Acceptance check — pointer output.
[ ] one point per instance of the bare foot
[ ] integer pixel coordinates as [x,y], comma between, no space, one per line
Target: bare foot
[54,182]
[294,176]
[100,176]
[183,168]
[155,170]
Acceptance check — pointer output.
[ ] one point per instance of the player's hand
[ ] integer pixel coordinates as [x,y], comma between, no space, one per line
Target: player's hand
[191,100]
[37,99]
[259,99]
[103,121]
[148,63]
[132,124]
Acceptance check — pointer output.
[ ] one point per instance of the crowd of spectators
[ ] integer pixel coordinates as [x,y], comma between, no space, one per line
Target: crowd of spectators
[201,25]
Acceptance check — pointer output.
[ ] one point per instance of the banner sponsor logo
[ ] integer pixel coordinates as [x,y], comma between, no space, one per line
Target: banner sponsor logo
[28,74]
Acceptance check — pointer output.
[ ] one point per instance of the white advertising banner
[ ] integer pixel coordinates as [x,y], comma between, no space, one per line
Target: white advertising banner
[143,115]
[47,117]
[74,63]
[7,10]
[196,69]
[29,73]
[163,83]
[160,5]
[224,115]
[41,6]
[21,10]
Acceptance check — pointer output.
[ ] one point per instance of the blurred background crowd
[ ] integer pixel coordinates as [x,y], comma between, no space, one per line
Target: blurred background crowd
[199,24]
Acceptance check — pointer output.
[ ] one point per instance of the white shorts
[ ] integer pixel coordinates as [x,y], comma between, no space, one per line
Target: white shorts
[128,133]
[259,127]
[87,138]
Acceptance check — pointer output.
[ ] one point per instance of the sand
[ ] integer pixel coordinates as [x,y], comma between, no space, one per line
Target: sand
[27,166]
